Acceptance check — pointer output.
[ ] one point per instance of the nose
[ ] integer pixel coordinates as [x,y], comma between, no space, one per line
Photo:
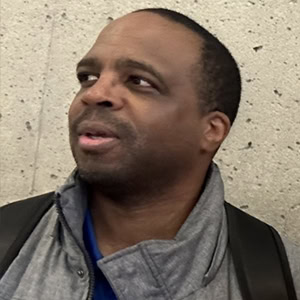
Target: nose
[104,92]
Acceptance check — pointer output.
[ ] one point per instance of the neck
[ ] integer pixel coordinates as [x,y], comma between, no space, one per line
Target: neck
[121,223]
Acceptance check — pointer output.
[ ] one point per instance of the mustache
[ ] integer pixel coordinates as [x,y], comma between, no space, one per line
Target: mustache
[122,128]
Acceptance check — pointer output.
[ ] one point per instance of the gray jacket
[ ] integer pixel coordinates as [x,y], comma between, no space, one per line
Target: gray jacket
[196,264]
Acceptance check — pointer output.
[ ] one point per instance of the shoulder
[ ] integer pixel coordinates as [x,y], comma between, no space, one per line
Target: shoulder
[293,253]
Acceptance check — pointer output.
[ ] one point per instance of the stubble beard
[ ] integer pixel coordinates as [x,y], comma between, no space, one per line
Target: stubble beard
[142,166]
[93,167]
[139,174]
[113,180]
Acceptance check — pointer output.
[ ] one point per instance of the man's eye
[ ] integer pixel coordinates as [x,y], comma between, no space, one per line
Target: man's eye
[136,80]
[85,77]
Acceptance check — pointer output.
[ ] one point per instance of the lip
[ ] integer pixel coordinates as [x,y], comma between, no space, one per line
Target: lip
[96,137]
[86,128]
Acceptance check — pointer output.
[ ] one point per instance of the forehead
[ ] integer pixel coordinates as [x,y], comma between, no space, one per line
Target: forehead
[145,35]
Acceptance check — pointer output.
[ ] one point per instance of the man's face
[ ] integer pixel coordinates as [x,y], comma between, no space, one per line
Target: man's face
[136,117]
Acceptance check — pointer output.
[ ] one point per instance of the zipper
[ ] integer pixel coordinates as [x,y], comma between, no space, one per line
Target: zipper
[84,252]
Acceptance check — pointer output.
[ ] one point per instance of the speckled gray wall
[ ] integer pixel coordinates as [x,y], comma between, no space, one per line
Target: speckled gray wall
[41,41]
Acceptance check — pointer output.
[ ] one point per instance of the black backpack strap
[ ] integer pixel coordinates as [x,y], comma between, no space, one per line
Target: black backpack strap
[17,221]
[259,258]
[285,265]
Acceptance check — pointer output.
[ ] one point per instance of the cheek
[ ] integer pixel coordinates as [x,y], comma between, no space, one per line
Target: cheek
[170,127]
[74,109]
[181,131]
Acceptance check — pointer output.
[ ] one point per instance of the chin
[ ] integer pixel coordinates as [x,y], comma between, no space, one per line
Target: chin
[92,172]
[111,183]
[99,172]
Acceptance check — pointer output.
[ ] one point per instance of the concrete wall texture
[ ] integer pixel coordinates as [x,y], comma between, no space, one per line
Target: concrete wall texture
[41,41]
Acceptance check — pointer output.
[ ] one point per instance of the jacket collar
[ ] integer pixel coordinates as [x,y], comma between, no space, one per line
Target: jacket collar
[177,266]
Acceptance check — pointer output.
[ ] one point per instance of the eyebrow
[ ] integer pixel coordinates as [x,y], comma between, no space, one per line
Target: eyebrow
[140,65]
[121,64]
[88,62]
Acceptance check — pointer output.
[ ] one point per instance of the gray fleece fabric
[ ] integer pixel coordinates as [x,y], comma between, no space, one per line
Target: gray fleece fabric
[196,264]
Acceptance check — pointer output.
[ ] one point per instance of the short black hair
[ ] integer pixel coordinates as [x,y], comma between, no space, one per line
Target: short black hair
[219,80]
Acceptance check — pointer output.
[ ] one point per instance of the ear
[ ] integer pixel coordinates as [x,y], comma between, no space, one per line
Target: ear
[216,126]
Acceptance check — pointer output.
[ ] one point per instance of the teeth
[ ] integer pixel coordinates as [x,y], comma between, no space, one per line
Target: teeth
[94,137]
[89,135]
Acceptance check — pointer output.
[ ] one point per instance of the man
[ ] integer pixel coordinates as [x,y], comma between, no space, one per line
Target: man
[142,216]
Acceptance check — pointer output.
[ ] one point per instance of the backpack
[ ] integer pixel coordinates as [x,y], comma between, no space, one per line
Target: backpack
[258,253]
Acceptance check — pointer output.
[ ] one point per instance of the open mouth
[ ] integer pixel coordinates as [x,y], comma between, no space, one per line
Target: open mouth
[94,135]
[89,140]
